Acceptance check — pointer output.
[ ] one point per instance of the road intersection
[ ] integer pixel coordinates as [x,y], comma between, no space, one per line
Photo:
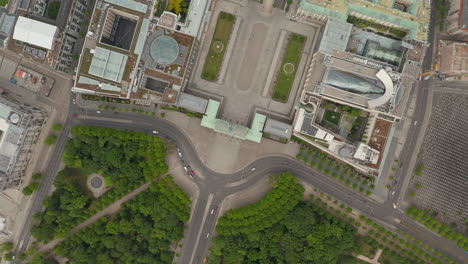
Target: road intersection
[215,187]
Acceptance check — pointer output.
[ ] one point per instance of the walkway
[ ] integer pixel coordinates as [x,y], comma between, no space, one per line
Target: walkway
[375,260]
[110,210]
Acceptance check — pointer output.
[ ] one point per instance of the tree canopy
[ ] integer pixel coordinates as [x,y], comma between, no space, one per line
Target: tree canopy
[140,233]
[281,229]
[126,159]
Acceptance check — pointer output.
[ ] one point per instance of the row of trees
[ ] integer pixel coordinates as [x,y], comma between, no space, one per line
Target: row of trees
[140,233]
[276,204]
[436,226]
[304,234]
[407,247]
[125,158]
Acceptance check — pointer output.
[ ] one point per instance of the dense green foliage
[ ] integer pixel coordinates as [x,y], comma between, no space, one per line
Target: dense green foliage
[36,176]
[277,203]
[7,246]
[50,140]
[28,190]
[126,159]
[424,216]
[121,156]
[41,258]
[57,127]
[53,9]
[282,230]
[140,233]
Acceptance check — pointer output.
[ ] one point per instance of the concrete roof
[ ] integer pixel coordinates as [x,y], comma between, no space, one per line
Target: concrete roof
[6,23]
[192,103]
[335,35]
[195,17]
[35,32]
[108,64]
[277,128]
[463,21]
[130,4]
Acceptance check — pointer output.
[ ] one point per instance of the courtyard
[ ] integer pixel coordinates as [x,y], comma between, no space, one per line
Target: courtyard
[251,61]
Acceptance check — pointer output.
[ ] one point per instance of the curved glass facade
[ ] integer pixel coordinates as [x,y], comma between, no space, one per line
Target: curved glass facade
[355,84]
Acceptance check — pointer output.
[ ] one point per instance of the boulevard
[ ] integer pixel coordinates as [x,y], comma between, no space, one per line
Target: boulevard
[215,187]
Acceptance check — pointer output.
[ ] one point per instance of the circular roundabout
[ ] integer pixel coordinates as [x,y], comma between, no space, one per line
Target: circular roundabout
[218,46]
[288,68]
[164,50]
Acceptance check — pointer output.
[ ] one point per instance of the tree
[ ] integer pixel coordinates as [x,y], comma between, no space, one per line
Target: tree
[27,190]
[8,256]
[36,176]
[53,9]
[7,246]
[57,127]
[50,140]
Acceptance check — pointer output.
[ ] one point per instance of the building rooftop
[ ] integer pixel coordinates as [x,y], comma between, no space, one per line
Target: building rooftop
[130,4]
[192,103]
[108,64]
[464,14]
[7,23]
[277,128]
[335,35]
[416,20]
[35,32]
[211,121]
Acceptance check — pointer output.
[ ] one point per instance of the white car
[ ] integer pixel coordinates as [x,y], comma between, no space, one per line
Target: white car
[208,235]
[185,168]
[393,192]
[98,112]
[212,211]
[394,206]
[253,169]
[155,132]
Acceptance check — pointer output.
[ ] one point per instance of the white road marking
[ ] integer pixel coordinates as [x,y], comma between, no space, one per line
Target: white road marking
[207,208]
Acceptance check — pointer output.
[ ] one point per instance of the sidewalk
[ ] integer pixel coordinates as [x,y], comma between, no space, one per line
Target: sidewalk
[219,152]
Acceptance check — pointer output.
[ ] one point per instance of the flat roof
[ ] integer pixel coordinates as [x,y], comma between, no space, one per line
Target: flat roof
[35,32]
[192,103]
[130,4]
[6,23]
[335,35]
[463,21]
[195,17]
[277,128]
[108,64]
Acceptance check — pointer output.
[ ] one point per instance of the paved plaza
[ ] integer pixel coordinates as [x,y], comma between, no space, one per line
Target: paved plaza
[247,67]
[444,154]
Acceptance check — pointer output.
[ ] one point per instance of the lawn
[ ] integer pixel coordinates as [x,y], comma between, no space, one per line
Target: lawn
[332,117]
[218,46]
[292,57]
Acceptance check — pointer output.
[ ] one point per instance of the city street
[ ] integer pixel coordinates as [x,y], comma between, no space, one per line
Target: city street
[215,186]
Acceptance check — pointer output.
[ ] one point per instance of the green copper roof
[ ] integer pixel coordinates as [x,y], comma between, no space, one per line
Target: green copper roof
[224,127]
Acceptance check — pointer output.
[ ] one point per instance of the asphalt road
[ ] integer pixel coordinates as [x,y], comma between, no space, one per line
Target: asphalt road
[214,187]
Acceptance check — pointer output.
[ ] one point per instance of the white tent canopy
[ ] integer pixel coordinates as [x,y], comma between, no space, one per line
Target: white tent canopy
[35,32]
